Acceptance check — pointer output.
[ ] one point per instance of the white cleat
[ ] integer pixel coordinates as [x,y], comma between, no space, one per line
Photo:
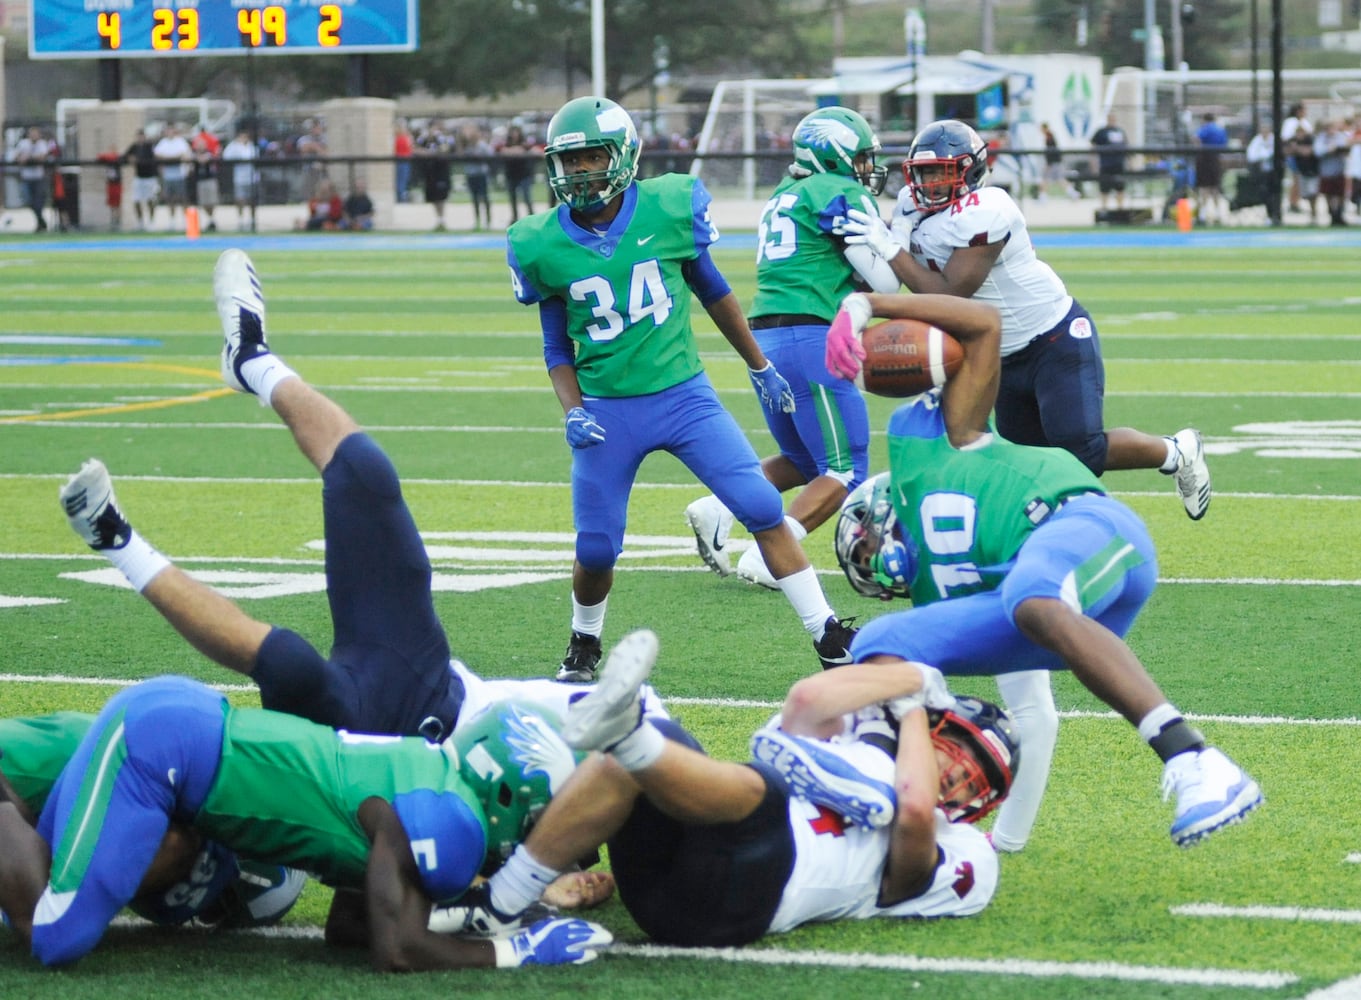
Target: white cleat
[1192,474]
[711,523]
[1212,792]
[91,508]
[752,568]
[614,709]
[241,307]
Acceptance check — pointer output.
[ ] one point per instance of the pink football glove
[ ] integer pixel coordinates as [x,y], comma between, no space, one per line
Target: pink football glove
[844,350]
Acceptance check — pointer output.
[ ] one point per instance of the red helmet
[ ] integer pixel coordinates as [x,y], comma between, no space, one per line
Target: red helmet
[946,161]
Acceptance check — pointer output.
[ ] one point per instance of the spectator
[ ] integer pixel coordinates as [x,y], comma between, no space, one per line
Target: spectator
[241,153]
[1212,139]
[1257,185]
[146,173]
[325,210]
[1353,170]
[519,169]
[312,145]
[1330,147]
[207,152]
[435,145]
[1294,124]
[113,185]
[1110,142]
[477,172]
[174,154]
[1053,164]
[33,153]
[402,146]
[358,208]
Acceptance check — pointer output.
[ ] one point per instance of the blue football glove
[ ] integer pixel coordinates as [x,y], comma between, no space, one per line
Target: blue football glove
[776,396]
[557,941]
[582,430]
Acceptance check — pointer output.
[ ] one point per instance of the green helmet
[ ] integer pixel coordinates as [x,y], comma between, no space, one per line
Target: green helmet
[828,142]
[514,759]
[582,124]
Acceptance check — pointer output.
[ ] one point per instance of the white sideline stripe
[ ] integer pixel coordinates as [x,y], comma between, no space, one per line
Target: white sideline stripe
[1353,859]
[1302,914]
[892,963]
[998,967]
[1242,720]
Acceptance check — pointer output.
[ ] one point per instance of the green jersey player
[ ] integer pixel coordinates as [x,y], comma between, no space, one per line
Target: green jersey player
[612,270]
[410,821]
[1014,556]
[804,268]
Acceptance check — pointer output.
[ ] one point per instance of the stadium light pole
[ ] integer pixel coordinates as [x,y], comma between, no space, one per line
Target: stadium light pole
[598,48]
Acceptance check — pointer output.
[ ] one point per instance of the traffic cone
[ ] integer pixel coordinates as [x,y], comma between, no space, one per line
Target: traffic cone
[1184,215]
[191,222]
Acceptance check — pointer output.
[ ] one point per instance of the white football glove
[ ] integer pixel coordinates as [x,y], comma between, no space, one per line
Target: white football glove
[558,941]
[861,228]
[933,694]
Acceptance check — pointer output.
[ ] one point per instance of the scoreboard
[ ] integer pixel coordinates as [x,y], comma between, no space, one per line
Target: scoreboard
[137,29]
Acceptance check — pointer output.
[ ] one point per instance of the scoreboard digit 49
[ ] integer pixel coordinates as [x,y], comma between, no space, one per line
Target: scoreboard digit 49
[133,29]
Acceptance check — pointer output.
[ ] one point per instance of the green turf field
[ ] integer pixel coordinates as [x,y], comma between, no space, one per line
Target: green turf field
[1254,629]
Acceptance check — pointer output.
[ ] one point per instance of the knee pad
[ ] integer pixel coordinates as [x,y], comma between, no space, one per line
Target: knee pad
[595,551]
[358,459]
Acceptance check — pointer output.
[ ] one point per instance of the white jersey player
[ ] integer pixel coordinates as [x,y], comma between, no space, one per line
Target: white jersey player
[821,825]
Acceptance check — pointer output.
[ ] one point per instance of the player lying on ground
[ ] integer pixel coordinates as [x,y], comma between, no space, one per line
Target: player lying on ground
[191,879]
[1014,557]
[409,822]
[843,813]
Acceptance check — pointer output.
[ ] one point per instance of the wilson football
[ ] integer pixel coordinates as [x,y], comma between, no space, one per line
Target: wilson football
[906,356]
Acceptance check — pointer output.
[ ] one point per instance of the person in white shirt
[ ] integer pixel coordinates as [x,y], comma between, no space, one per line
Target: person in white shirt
[241,154]
[175,154]
[33,153]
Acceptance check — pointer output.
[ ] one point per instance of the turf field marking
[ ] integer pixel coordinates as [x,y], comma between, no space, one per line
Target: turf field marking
[1343,989]
[28,602]
[890,963]
[1302,914]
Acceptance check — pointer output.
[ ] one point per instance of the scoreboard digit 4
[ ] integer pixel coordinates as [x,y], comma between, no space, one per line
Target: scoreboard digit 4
[111,29]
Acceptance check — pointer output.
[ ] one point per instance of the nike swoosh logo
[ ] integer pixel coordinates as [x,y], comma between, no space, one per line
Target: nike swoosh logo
[171,775]
[718,546]
[645,240]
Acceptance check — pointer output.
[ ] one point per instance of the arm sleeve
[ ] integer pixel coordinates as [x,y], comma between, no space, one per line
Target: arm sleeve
[705,279]
[873,270]
[557,345]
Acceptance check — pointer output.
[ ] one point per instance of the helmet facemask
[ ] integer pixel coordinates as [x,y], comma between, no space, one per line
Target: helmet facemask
[981,753]
[877,560]
[589,191]
[936,184]
[591,123]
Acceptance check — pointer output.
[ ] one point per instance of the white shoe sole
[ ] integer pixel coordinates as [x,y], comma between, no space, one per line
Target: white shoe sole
[598,720]
[1245,800]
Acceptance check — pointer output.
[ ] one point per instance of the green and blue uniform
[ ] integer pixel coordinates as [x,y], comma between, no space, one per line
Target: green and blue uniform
[267,785]
[801,277]
[616,305]
[991,526]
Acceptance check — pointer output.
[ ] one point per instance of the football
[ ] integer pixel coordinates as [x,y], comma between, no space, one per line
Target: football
[904,357]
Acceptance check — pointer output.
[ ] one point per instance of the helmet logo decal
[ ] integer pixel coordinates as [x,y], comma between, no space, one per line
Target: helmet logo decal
[538,749]
[614,119]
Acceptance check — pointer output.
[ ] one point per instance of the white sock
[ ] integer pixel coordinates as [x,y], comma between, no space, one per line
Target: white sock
[1173,459]
[639,749]
[137,561]
[796,526]
[519,882]
[588,619]
[803,591]
[1155,721]
[262,374]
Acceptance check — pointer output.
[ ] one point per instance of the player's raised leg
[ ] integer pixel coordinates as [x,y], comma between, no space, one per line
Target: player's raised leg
[213,625]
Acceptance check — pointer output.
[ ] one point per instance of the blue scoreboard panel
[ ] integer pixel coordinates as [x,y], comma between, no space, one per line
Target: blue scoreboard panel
[144,29]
